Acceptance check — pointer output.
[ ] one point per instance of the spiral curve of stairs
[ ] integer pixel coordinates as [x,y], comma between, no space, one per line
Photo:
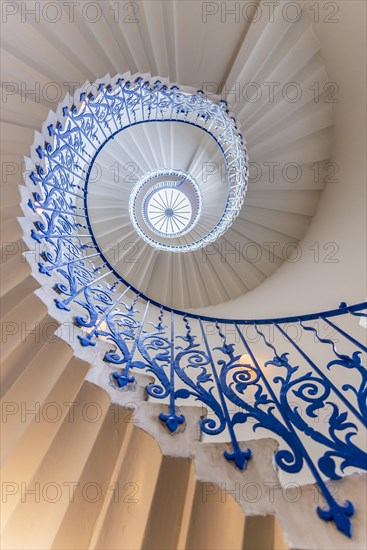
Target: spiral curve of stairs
[123,453]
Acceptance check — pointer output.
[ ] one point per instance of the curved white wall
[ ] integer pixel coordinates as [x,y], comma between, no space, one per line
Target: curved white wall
[307,285]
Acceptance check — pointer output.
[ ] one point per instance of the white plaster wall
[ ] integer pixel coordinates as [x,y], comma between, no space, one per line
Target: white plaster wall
[306,286]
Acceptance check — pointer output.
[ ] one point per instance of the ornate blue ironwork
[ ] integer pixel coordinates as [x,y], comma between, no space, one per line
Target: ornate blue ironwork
[74,144]
[282,395]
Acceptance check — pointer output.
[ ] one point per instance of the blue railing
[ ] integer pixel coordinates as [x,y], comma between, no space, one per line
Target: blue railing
[282,390]
[276,376]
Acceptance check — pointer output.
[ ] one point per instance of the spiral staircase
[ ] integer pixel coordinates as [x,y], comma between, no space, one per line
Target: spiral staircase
[134,359]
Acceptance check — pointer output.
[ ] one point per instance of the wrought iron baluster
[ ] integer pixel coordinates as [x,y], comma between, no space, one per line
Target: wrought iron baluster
[112,100]
[155,350]
[88,102]
[122,87]
[124,378]
[108,103]
[349,362]
[138,81]
[172,420]
[157,89]
[190,367]
[337,392]
[239,456]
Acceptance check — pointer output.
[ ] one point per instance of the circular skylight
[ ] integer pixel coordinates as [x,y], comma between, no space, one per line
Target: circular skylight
[168,211]
[165,203]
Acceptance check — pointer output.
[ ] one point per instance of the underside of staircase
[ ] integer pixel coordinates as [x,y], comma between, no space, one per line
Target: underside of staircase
[129,483]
